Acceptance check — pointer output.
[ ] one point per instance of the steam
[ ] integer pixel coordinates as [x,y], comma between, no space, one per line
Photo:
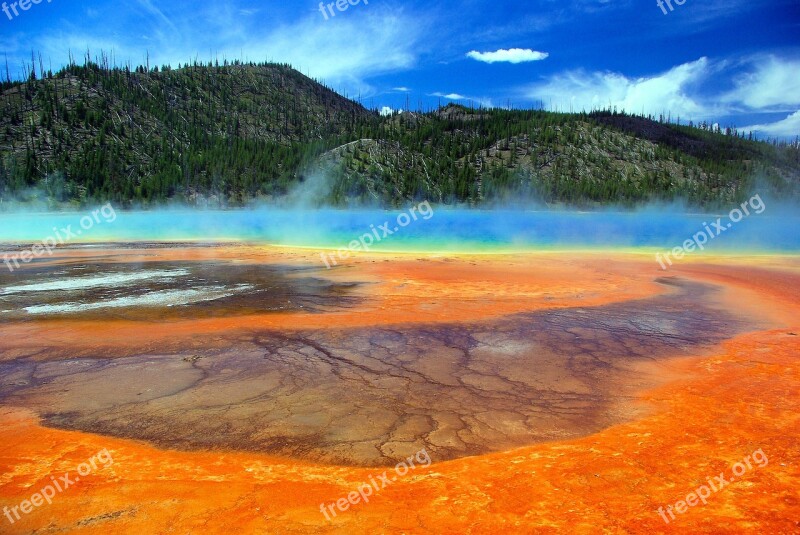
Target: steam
[770,228]
[301,218]
[312,191]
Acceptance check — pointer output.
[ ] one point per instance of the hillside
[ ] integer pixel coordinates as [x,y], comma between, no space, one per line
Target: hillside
[499,156]
[225,135]
[234,131]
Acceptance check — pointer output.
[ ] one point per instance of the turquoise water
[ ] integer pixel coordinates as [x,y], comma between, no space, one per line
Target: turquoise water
[443,230]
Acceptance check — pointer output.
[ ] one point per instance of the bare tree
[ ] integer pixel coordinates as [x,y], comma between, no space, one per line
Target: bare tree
[8,74]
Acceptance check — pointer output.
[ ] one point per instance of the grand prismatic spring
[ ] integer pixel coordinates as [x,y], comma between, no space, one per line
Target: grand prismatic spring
[263,371]
[475,267]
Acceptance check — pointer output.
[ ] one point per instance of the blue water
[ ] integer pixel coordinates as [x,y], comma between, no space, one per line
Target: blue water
[444,230]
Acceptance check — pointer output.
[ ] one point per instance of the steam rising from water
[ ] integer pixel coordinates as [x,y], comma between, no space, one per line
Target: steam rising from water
[448,229]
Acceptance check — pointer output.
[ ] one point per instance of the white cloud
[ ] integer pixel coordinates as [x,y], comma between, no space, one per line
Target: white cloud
[386,110]
[761,84]
[788,127]
[449,96]
[402,89]
[668,92]
[512,55]
[484,102]
[157,13]
[772,83]
[343,54]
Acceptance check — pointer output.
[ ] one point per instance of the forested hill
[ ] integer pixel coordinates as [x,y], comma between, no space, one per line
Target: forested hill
[224,135]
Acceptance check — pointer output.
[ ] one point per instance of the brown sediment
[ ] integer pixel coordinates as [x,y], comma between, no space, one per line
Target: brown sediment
[717,409]
[362,396]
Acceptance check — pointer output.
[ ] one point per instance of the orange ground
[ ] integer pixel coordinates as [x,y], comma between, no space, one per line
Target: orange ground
[725,406]
[409,288]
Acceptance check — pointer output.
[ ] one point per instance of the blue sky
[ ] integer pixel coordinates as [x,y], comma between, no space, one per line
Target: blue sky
[735,62]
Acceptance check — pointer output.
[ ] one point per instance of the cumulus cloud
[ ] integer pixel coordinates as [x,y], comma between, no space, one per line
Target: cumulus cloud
[764,84]
[770,83]
[449,96]
[512,55]
[669,91]
[788,127]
